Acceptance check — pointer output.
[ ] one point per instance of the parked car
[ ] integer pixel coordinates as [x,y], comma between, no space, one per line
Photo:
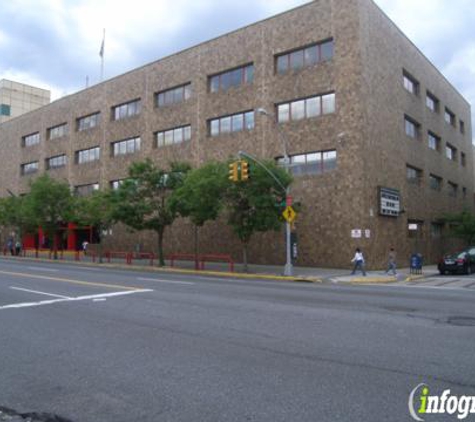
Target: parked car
[459,262]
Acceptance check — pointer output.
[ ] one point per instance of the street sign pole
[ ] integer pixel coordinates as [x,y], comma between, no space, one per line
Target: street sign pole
[288,270]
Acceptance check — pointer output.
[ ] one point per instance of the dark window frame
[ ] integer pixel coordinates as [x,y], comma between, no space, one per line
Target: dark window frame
[288,57]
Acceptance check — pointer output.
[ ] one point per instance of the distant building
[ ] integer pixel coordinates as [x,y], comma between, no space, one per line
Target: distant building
[17,99]
[380,142]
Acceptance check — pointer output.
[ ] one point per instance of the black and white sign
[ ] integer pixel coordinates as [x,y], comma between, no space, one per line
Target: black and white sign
[389,202]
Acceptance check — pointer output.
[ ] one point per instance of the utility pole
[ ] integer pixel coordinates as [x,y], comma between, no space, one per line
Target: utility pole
[288,270]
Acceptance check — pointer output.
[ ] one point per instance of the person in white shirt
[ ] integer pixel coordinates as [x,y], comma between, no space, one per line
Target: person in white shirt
[358,260]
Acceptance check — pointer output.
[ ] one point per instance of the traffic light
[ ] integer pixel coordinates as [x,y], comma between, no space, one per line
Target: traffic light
[244,171]
[233,172]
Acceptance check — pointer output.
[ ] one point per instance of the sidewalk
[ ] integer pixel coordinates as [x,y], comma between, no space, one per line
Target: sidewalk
[303,274]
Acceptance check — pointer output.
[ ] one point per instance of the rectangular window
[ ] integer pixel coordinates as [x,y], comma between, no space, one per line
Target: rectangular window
[435,182]
[88,155]
[29,168]
[464,192]
[433,141]
[311,163]
[304,57]
[173,136]
[57,131]
[451,152]
[84,190]
[234,123]
[5,110]
[126,110]
[453,189]
[88,122]
[432,102]
[56,162]
[410,83]
[231,78]
[29,140]
[306,108]
[449,117]
[412,128]
[436,230]
[413,175]
[462,127]
[127,146]
[172,96]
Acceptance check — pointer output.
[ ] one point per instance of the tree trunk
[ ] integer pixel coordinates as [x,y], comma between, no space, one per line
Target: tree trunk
[197,265]
[161,257]
[244,257]
[100,248]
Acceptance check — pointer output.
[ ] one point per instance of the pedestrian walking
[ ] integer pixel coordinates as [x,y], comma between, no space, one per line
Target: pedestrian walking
[17,248]
[391,262]
[358,261]
[10,246]
[84,247]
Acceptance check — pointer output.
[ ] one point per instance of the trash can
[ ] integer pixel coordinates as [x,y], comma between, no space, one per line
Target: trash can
[416,264]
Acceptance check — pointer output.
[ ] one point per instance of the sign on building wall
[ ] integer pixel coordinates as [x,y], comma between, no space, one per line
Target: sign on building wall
[389,202]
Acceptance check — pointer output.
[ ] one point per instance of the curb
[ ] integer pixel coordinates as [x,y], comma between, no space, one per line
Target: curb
[375,280]
[254,276]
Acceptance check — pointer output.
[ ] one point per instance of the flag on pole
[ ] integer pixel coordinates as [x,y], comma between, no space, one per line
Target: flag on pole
[101,51]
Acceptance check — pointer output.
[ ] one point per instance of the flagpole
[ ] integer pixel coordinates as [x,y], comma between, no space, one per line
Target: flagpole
[101,53]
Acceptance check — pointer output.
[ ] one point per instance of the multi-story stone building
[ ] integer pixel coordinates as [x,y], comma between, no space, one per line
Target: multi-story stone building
[17,99]
[380,142]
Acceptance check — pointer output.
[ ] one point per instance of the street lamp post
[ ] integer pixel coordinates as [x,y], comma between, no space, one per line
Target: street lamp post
[288,269]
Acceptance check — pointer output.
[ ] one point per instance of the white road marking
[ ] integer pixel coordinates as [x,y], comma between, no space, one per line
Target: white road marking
[50,270]
[165,281]
[39,293]
[72,299]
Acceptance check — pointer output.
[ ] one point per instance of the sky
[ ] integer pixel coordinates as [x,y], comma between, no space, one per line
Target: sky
[55,44]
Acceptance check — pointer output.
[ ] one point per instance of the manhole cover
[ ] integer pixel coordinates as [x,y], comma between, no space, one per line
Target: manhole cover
[461,321]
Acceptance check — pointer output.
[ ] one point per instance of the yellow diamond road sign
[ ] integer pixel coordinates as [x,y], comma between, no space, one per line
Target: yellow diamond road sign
[289,214]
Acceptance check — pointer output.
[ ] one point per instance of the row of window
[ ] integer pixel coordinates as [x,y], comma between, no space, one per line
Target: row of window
[412,85]
[302,164]
[415,176]
[413,130]
[295,110]
[294,60]
[311,163]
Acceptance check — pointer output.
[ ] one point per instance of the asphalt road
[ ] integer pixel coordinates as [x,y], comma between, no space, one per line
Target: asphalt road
[101,345]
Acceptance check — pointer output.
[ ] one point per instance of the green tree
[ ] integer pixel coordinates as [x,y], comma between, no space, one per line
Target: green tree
[143,198]
[12,215]
[252,205]
[97,210]
[200,196]
[48,205]
[462,226]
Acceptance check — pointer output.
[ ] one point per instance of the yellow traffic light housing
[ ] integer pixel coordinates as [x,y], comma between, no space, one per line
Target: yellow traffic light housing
[244,171]
[233,172]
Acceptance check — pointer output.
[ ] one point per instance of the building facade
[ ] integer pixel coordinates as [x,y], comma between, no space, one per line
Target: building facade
[17,99]
[380,142]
